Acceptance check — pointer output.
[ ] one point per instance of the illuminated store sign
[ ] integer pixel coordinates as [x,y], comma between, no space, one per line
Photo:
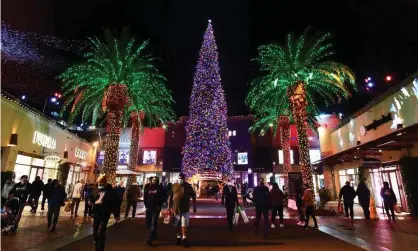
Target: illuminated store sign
[80,153]
[44,140]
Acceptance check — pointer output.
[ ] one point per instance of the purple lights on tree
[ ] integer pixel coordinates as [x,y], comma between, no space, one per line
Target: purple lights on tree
[207,147]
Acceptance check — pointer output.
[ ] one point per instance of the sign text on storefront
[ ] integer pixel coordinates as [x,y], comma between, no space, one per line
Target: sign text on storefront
[80,153]
[44,140]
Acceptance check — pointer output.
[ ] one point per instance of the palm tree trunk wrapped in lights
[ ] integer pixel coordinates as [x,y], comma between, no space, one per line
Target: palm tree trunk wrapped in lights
[115,99]
[284,123]
[136,118]
[298,104]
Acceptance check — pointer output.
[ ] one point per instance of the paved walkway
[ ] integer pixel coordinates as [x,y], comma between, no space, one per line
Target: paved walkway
[209,232]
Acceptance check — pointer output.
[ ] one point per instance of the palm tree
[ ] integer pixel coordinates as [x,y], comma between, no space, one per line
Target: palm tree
[113,75]
[296,73]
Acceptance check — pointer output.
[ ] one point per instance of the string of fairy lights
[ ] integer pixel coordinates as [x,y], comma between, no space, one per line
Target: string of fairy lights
[207,147]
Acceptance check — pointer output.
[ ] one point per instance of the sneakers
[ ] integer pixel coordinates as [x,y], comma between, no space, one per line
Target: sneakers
[273,226]
[300,223]
[281,225]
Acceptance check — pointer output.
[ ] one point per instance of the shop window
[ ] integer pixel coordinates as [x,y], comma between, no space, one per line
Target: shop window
[38,162]
[77,169]
[21,170]
[314,155]
[281,157]
[149,157]
[232,133]
[124,156]
[22,159]
[243,158]
[51,164]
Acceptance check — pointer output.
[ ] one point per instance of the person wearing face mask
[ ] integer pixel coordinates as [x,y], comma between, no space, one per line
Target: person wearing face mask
[153,200]
[230,200]
[105,201]
[180,197]
[20,190]
[261,198]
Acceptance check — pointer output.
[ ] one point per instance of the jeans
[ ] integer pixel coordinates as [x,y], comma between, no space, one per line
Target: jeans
[274,211]
[389,207]
[33,201]
[230,216]
[19,215]
[44,198]
[310,211]
[152,222]
[265,212]
[366,210]
[301,214]
[88,208]
[99,233]
[131,203]
[53,214]
[349,205]
[75,203]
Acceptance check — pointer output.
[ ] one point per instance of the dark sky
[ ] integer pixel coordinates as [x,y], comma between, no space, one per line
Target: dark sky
[373,37]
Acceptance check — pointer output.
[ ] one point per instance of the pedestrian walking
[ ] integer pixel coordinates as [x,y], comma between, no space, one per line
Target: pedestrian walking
[20,190]
[363,194]
[230,200]
[299,204]
[120,190]
[46,193]
[261,198]
[309,201]
[55,202]
[35,192]
[348,193]
[179,203]
[105,202]
[5,191]
[153,201]
[132,196]
[244,194]
[88,193]
[389,200]
[277,197]
[76,197]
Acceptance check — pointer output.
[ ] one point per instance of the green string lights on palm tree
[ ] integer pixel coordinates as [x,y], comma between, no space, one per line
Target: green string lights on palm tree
[296,73]
[114,75]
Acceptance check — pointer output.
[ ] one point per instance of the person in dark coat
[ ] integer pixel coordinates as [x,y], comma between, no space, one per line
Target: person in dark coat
[363,194]
[299,204]
[87,194]
[244,193]
[261,198]
[46,193]
[348,193]
[35,193]
[153,201]
[389,200]
[55,202]
[277,197]
[132,196]
[120,190]
[230,200]
[105,201]
[20,190]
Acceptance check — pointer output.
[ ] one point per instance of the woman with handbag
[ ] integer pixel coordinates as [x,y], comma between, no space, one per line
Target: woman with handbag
[389,200]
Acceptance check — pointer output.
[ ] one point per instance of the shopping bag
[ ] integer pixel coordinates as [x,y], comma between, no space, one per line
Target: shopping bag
[244,215]
[236,219]
[68,206]
[167,219]
[340,208]
[396,209]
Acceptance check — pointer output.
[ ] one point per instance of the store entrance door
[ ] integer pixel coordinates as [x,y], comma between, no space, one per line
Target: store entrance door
[393,178]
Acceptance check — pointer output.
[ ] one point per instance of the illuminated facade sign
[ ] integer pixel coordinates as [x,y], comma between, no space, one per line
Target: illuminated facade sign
[44,140]
[80,153]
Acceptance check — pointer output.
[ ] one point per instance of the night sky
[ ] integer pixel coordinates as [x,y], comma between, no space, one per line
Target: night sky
[374,38]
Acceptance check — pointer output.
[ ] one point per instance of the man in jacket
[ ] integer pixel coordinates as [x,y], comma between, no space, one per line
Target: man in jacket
[277,197]
[309,202]
[230,200]
[261,198]
[120,190]
[132,196]
[348,193]
[363,194]
[55,202]
[76,197]
[20,190]
[153,201]
[46,193]
[389,200]
[105,202]
[35,193]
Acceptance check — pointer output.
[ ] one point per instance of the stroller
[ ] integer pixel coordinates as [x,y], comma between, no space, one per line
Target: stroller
[9,216]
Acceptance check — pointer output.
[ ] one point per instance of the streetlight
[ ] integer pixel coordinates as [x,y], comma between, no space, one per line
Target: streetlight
[53,99]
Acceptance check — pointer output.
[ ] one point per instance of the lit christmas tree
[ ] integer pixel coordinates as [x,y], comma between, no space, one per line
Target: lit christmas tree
[207,147]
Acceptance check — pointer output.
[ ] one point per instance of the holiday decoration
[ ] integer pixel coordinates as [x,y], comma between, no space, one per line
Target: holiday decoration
[207,147]
[295,75]
[284,123]
[115,80]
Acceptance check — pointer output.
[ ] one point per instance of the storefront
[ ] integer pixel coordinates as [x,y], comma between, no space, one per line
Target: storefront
[35,166]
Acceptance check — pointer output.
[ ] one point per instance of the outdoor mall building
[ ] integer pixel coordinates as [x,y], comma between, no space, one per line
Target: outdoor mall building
[33,145]
[376,137]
